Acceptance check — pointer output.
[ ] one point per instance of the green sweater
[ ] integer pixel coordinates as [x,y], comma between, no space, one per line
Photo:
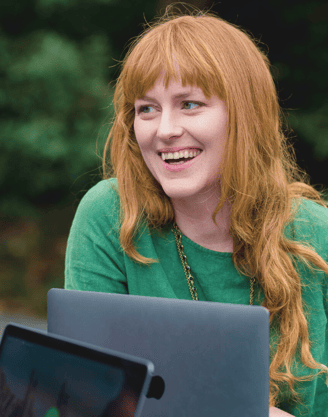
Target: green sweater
[95,262]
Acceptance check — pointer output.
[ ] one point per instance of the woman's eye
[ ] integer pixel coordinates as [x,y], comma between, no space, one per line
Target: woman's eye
[191,102]
[142,108]
[145,109]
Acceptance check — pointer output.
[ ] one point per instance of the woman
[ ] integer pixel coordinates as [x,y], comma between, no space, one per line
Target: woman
[253,231]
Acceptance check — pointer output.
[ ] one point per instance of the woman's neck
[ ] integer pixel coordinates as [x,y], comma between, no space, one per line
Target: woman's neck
[194,219]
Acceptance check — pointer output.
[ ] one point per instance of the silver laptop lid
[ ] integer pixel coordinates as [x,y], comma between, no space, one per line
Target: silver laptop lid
[213,357]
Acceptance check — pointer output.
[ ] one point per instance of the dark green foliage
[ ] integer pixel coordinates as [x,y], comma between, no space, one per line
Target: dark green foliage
[58,63]
[55,98]
[57,59]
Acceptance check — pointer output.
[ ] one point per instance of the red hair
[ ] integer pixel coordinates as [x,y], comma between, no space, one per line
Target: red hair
[260,176]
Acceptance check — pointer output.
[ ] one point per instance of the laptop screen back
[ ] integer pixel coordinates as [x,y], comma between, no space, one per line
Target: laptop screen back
[213,357]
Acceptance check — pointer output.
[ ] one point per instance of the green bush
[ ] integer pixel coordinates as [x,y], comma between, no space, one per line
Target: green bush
[55,94]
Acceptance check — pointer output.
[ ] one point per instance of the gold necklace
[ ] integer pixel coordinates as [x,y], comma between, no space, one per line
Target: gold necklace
[190,279]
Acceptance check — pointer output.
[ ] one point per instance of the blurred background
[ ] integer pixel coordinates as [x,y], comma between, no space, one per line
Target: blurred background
[58,65]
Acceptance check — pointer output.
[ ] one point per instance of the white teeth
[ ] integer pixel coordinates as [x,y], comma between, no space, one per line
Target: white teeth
[181,154]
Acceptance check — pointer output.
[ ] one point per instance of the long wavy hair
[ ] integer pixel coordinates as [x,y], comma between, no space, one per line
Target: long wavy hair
[260,176]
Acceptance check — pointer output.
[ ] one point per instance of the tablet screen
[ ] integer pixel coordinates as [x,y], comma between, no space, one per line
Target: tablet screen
[44,381]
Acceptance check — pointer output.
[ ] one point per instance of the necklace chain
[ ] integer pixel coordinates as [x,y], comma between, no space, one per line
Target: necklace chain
[190,279]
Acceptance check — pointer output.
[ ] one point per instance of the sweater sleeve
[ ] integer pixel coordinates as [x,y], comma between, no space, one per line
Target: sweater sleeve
[310,227]
[321,393]
[94,260]
[315,227]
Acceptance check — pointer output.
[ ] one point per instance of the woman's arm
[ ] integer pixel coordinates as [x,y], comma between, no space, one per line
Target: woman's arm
[275,412]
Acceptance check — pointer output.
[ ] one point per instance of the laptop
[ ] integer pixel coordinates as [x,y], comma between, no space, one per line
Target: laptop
[44,375]
[212,357]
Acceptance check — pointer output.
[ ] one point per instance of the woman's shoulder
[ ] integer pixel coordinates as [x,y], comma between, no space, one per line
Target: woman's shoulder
[99,204]
[103,190]
[101,195]
[310,224]
[311,213]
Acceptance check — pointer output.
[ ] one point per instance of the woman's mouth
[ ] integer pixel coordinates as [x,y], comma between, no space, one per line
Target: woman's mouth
[173,164]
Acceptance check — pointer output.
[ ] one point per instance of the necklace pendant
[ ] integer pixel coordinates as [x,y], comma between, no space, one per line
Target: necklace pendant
[190,280]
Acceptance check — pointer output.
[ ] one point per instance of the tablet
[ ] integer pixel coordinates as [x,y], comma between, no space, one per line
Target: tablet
[46,375]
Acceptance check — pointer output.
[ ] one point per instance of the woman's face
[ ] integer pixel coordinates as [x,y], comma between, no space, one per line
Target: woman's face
[164,120]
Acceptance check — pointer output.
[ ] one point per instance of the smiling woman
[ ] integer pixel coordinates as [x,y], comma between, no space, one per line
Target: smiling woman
[252,226]
[202,127]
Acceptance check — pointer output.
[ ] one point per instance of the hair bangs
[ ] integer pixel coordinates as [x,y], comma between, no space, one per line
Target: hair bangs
[158,55]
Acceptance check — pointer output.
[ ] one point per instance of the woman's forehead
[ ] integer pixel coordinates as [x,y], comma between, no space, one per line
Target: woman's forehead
[174,86]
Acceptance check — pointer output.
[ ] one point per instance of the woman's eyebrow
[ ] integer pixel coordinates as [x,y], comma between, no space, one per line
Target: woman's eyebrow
[181,95]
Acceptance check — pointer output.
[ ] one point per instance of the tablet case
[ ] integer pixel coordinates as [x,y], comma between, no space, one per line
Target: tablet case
[43,375]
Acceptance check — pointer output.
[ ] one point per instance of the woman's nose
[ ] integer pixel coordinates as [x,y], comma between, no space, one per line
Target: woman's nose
[169,126]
